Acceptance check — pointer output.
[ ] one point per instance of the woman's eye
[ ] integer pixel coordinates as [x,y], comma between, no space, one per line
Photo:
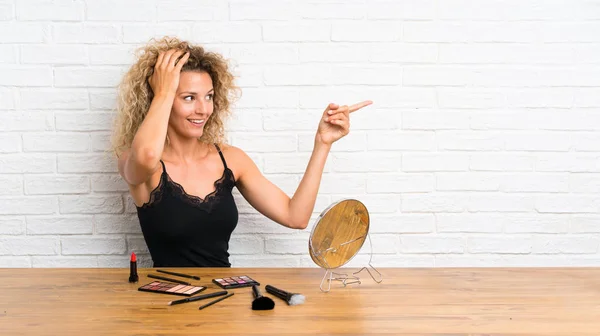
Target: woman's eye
[190,98]
[209,97]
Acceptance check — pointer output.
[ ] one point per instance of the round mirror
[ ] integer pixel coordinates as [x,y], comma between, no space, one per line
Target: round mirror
[339,233]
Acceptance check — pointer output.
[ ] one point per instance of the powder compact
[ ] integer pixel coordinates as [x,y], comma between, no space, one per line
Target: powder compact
[171,288]
[235,282]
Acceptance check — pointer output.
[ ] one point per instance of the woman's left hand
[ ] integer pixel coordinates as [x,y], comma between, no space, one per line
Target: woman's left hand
[335,122]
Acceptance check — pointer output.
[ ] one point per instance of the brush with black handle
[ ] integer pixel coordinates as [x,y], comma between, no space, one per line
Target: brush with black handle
[292,299]
[261,302]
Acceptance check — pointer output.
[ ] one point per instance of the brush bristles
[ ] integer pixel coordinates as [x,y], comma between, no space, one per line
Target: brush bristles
[296,299]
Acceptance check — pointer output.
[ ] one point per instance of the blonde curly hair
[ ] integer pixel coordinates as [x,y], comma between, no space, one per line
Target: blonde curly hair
[135,94]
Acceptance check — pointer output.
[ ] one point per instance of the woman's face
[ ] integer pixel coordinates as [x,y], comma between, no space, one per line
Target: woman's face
[193,104]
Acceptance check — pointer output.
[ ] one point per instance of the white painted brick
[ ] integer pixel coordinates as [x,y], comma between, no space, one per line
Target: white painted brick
[515,10]
[434,203]
[471,98]
[365,162]
[85,33]
[113,10]
[86,163]
[303,74]
[296,32]
[534,223]
[127,223]
[15,262]
[22,205]
[538,141]
[286,182]
[246,244]
[85,77]
[378,203]
[51,99]
[12,225]
[431,244]
[502,162]
[332,53]
[387,97]
[490,53]
[567,162]
[565,244]
[540,97]
[26,121]
[586,142]
[90,204]
[56,184]
[57,10]
[27,163]
[288,163]
[403,53]
[227,32]
[498,244]
[93,121]
[192,10]
[434,162]
[7,11]
[109,183]
[372,118]
[100,142]
[535,183]
[404,223]
[53,54]
[285,261]
[353,142]
[469,223]
[585,224]
[248,75]
[130,207]
[92,245]
[400,260]
[111,54]
[103,99]
[259,224]
[401,141]
[137,244]
[65,262]
[23,32]
[335,10]
[25,75]
[586,97]
[29,246]
[7,98]
[367,75]
[10,143]
[140,33]
[400,183]
[272,10]
[268,143]
[59,225]
[467,182]
[365,31]
[268,97]
[285,245]
[266,53]
[572,203]
[56,142]
[506,120]
[343,183]
[584,183]
[419,119]
[289,120]
[407,9]
[122,261]
[470,141]
[493,202]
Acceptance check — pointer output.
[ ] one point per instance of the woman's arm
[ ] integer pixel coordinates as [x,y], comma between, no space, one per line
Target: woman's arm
[139,162]
[270,200]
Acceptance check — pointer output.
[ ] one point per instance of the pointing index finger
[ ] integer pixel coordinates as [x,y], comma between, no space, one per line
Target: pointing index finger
[360,105]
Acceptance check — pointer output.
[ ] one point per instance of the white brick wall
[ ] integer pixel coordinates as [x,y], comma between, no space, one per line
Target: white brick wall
[482,147]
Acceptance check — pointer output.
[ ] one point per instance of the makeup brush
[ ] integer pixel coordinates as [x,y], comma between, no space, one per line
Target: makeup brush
[261,302]
[292,299]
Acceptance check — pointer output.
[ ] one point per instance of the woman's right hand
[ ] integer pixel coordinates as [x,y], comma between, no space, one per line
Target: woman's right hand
[165,79]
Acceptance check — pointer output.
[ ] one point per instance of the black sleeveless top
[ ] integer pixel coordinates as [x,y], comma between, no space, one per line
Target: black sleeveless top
[183,230]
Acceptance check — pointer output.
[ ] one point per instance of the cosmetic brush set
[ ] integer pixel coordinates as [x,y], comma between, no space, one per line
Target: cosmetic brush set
[168,285]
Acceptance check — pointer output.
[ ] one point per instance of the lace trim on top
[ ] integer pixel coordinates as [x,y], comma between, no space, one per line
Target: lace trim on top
[207,203]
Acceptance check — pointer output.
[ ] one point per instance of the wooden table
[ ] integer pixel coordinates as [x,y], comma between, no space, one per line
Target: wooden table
[483,301]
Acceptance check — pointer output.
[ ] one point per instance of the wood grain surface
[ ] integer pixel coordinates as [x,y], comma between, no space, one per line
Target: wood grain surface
[413,301]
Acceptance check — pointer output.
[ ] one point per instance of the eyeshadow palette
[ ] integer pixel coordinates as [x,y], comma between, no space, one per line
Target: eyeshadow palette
[171,288]
[235,282]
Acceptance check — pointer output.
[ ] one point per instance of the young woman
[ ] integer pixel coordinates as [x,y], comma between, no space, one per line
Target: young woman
[169,140]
